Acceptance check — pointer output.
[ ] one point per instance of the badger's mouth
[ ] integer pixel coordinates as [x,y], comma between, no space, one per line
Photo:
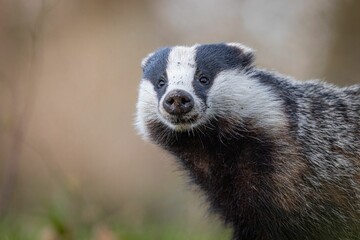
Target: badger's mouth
[183,120]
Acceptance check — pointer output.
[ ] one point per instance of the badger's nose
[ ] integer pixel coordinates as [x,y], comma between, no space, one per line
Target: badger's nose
[178,102]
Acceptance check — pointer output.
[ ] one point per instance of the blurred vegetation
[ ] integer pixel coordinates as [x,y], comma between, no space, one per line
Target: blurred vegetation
[71,164]
[59,225]
[66,217]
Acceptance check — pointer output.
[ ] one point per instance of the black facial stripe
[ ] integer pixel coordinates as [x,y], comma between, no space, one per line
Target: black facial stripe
[155,69]
[200,89]
[214,58]
[211,59]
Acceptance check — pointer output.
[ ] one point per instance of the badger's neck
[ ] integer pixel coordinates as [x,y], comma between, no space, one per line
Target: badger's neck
[233,170]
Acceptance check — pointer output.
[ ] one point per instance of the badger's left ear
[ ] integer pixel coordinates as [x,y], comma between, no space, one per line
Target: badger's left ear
[145,60]
[247,54]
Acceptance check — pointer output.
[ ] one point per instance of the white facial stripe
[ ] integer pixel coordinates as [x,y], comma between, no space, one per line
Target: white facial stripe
[146,107]
[235,93]
[181,68]
[180,73]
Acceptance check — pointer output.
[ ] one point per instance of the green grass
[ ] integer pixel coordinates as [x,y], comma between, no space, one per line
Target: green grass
[29,229]
[169,231]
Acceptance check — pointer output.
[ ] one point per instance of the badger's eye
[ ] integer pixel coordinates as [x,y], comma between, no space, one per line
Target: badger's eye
[160,83]
[204,80]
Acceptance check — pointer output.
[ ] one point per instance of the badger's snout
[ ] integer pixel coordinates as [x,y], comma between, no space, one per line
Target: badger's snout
[178,102]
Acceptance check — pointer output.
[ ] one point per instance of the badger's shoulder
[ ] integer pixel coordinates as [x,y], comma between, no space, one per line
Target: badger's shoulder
[312,98]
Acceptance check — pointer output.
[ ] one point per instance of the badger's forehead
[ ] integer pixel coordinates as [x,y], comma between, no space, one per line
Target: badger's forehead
[181,66]
[182,57]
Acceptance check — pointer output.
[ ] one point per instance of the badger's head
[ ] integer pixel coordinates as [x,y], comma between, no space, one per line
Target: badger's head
[183,88]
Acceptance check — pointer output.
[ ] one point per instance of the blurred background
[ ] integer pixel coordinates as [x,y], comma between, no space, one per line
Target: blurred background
[71,163]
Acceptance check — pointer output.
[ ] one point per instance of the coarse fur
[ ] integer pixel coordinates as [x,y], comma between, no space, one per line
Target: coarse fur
[277,158]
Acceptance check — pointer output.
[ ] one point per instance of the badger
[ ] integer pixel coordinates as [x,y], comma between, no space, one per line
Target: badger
[276,158]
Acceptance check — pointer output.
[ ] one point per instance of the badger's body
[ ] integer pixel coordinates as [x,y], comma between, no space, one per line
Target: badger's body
[277,158]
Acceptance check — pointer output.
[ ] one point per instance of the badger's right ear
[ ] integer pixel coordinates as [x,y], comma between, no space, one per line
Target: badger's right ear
[248,54]
[145,60]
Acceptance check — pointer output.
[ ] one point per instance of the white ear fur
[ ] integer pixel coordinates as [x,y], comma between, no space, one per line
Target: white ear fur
[242,47]
[144,61]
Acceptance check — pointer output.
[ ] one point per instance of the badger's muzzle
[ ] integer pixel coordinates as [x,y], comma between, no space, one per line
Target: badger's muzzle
[178,102]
